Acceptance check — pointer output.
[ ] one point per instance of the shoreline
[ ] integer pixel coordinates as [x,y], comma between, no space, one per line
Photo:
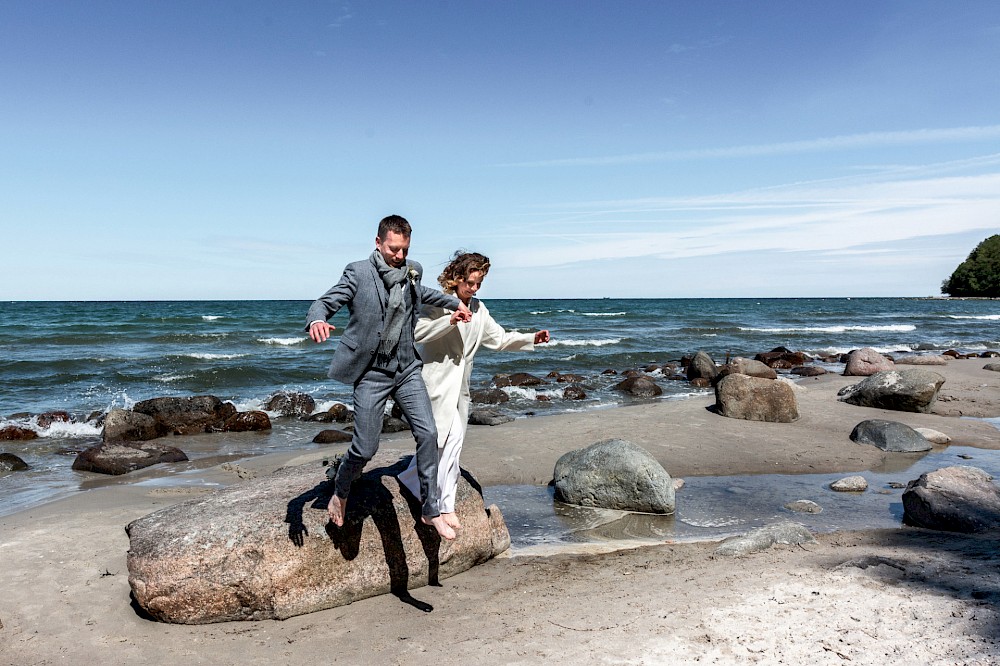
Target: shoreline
[855,594]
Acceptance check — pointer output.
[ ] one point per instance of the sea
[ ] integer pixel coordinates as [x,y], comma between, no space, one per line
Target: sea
[86,358]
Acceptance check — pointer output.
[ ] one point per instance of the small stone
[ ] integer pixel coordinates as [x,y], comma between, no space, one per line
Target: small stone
[804,506]
[850,484]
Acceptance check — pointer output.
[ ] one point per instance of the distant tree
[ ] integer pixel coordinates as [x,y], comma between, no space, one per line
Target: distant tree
[979,275]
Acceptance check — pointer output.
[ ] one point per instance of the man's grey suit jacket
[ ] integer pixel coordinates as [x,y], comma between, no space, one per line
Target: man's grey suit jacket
[363,292]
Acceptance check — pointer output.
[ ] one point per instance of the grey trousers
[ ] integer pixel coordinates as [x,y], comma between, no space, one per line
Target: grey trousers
[370,395]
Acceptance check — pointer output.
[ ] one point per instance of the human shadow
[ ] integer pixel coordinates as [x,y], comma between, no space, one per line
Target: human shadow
[370,498]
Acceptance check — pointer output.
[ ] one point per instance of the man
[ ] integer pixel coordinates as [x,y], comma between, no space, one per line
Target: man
[377,356]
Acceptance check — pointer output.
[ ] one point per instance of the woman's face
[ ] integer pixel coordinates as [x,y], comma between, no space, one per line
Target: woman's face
[467,288]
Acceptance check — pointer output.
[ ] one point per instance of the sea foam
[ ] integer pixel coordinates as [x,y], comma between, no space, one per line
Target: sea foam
[286,342]
[889,328]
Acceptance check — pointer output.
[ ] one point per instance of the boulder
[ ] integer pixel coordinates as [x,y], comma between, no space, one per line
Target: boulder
[120,458]
[640,387]
[763,538]
[890,436]
[331,437]
[804,506]
[922,359]
[570,378]
[290,403]
[994,367]
[614,474]
[781,357]
[850,484]
[702,365]
[278,556]
[745,366]
[574,392]
[11,463]
[186,416]
[517,379]
[488,417]
[489,396]
[252,421]
[808,371]
[866,362]
[122,425]
[15,433]
[911,390]
[48,418]
[756,399]
[954,499]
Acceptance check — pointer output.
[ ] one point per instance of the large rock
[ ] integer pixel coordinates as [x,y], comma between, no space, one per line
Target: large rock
[517,379]
[252,421]
[890,436]
[122,425]
[756,399]
[266,549]
[614,474]
[120,458]
[11,463]
[702,367]
[640,387]
[287,403]
[488,417]
[746,366]
[922,359]
[782,357]
[15,433]
[489,396]
[993,367]
[955,499]
[910,390]
[186,416]
[866,362]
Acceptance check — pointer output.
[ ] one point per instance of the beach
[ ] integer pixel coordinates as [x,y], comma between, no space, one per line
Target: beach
[869,596]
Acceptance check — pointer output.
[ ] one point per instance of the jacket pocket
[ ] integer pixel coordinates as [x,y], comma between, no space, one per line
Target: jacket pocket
[349,342]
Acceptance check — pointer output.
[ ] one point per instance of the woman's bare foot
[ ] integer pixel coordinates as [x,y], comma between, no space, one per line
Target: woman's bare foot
[443,529]
[452,520]
[337,508]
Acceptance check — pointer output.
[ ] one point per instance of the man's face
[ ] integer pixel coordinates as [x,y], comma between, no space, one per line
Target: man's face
[394,248]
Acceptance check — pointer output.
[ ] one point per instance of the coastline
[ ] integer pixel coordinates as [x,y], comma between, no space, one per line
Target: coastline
[869,596]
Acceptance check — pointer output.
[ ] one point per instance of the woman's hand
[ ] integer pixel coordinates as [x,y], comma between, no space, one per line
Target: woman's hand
[541,337]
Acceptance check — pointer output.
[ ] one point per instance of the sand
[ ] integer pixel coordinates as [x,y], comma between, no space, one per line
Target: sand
[904,596]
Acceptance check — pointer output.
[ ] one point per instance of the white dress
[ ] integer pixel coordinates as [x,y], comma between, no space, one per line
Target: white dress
[448,352]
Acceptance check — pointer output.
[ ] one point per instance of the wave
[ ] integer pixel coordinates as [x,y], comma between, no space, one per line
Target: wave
[992,317]
[211,317]
[57,429]
[171,378]
[286,342]
[205,356]
[890,328]
[604,314]
[831,351]
[585,343]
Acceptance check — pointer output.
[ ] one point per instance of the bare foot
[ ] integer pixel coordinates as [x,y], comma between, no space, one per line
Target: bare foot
[337,508]
[443,529]
[452,520]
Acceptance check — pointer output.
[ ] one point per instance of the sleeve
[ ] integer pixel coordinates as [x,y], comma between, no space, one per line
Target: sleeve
[433,324]
[329,303]
[495,337]
[430,296]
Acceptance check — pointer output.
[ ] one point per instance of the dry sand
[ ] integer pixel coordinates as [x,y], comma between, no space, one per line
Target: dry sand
[905,596]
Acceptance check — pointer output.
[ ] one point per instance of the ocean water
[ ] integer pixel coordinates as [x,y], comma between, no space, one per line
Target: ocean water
[88,357]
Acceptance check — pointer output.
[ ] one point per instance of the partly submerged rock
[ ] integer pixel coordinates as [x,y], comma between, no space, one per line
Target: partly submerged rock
[890,436]
[763,538]
[954,499]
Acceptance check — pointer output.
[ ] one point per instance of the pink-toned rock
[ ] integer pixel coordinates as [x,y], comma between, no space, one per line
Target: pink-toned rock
[756,399]
[866,362]
[266,549]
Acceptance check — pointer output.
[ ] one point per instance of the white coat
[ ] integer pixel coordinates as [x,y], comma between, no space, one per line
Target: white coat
[448,352]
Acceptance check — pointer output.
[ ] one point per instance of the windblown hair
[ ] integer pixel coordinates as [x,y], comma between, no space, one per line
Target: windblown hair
[462,263]
[396,224]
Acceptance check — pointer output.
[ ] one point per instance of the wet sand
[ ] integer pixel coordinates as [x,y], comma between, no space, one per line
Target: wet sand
[869,597]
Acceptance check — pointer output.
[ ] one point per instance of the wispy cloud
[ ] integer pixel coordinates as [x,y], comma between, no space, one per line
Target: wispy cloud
[825,144]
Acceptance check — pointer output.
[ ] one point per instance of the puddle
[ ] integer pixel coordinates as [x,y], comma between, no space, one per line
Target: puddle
[711,508]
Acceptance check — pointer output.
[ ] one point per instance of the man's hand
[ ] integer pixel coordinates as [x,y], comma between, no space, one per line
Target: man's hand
[319,331]
[462,313]
[542,337]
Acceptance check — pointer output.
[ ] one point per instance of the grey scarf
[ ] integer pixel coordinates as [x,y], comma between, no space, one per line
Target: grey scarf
[396,310]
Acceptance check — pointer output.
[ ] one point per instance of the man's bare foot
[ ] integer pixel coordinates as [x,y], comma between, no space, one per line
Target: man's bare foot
[337,508]
[452,520]
[443,529]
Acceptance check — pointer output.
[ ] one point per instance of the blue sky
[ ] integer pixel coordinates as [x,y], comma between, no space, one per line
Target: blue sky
[242,149]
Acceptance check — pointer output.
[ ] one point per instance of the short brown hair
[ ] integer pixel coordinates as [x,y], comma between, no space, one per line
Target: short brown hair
[462,263]
[394,223]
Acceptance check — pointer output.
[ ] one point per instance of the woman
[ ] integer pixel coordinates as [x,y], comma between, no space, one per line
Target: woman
[448,348]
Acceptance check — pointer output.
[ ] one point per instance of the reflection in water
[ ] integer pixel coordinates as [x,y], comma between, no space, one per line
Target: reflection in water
[713,508]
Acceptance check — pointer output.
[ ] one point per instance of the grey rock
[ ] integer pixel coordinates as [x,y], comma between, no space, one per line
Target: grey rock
[331,436]
[702,366]
[266,549]
[922,359]
[122,425]
[756,399]
[117,458]
[995,367]
[186,416]
[954,499]
[488,417]
[911,390]
[866,362]
[761,539]
[850,484]
[640,387]
[890,436]
[11,463]
[808,371]
[614,474]
[804,506]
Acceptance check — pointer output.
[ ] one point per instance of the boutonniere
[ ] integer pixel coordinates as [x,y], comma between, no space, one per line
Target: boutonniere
[414,276]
